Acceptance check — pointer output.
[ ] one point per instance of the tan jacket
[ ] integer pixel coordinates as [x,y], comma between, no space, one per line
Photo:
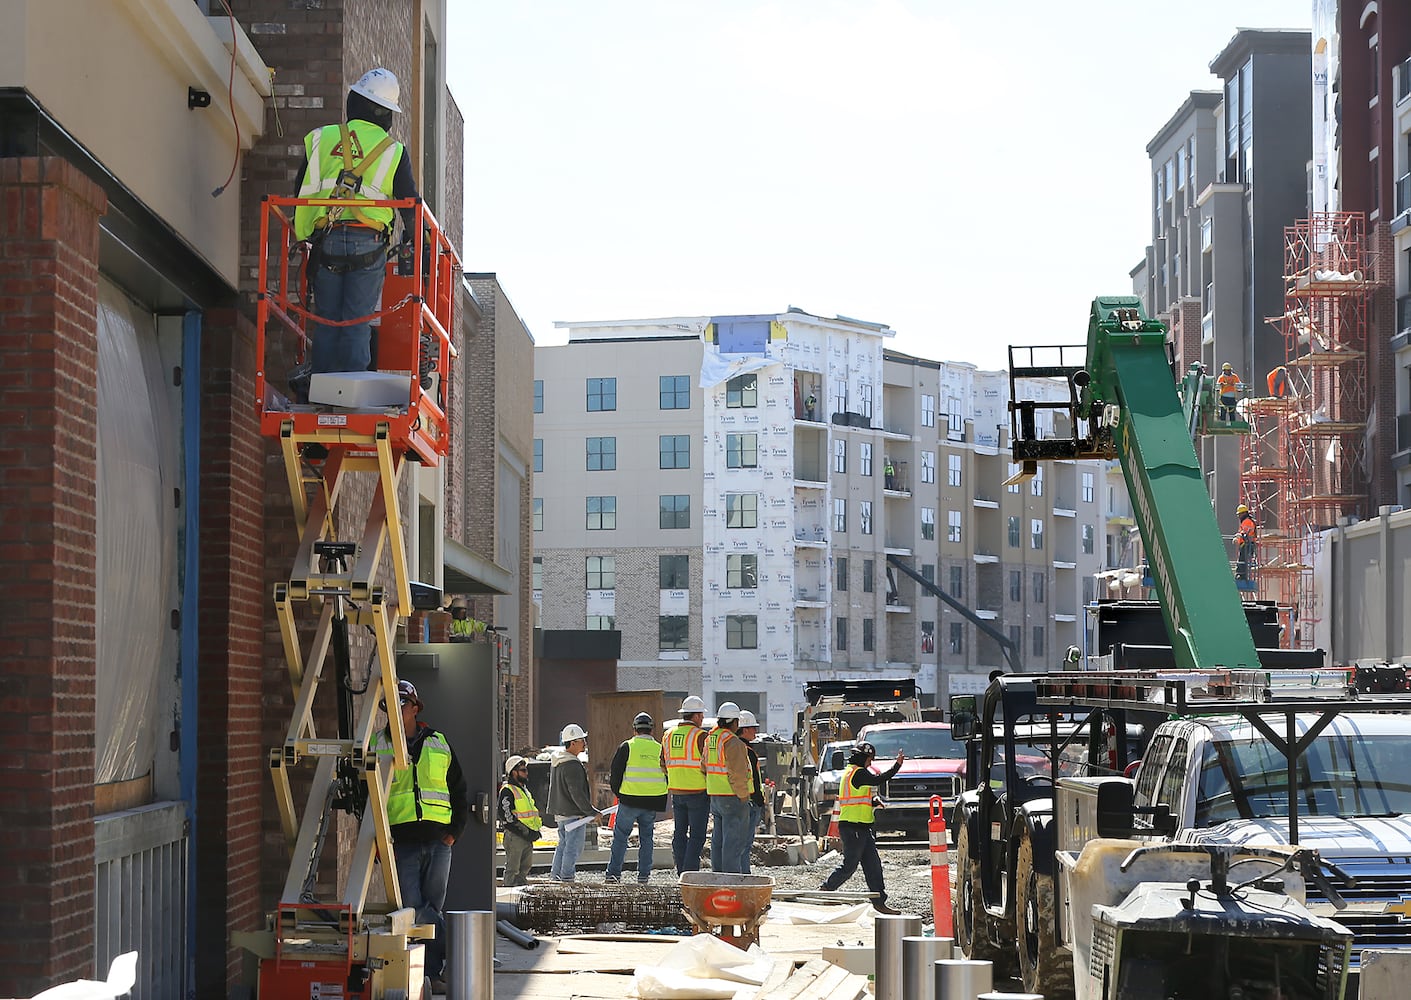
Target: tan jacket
[737,767]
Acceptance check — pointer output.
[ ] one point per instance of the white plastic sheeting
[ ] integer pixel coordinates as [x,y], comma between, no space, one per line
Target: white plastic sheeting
[703,967]
[137,523]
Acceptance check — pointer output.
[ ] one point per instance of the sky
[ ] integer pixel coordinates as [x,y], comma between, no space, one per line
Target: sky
[971,174]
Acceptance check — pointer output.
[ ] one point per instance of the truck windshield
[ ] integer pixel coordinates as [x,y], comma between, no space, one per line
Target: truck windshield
[1341,774]
[916,743]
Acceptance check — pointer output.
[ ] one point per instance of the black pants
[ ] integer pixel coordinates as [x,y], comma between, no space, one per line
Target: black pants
[859,847]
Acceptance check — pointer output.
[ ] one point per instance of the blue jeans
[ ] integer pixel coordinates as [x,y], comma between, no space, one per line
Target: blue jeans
[423,871]
[731,832]
[350,295]
[859,848]
[756,814]
[692,812]
[645,822]
[565,866]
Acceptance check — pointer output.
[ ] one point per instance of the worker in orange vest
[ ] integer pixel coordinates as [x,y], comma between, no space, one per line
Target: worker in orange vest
[1227,385]
[1278,380]
[1245,539]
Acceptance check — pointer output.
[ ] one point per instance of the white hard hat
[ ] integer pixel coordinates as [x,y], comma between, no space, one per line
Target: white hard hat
[729,710]
[380,87]
[747,719]
[514,762]
[572,731]
[691,705]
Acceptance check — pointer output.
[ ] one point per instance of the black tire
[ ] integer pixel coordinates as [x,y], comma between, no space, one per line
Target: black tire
[971,921]
[1045,967]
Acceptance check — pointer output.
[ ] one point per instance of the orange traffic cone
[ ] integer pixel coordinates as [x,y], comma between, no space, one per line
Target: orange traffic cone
[612,816]
[834,835]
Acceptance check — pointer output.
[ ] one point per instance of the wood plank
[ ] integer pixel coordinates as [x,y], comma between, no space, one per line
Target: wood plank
[830,979]
[783,969]
[797,983]
[854,987]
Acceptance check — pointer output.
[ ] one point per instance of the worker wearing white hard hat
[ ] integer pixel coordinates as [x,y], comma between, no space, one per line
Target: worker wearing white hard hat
[684,747]
[727,773]
[519,821]
[749,729]
[569,800]
[356,161]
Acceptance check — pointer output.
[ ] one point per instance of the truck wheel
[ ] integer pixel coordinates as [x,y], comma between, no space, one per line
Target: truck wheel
[972,923]
[1045,967]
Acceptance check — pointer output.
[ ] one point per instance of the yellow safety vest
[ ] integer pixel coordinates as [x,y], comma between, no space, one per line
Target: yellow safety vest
[420,792]
[367,151]
[717,775]
[643,775]
[854,802]
[683,759]
[524,808]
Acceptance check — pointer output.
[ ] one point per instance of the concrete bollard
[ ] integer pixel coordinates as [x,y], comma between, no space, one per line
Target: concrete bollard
[470,955]
[963,979]
[889,931]
[918,958]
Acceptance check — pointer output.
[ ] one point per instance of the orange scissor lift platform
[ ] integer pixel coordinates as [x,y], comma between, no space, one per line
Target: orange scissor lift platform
[364,950]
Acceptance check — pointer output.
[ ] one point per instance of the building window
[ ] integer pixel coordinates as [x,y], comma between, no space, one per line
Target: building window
[1036,485]
[1088,539]
[538,454]
[742,510]
[602,513]
[864,399]
[928,523]
[957,637]
[928,466]
[841,565]
[538,395]
[840,637]
[952,470]
[1088,588]
[742,392]
[865,516]
[675,510]
[741,572]
[869,626]
[864,458]
[1016,637]
[928,410]
[602,454]
[957,581]
[674,572]
[675,451]
[602,394]
[1111,500]
[1038,588]
[741,632]
[839,395]
[673,633]
[955,423]
[840,455]
[840,514]
[600,623]
[952,525]
[1013,532]
[538,577]
[1014,470]
[1016,585]
[675,391]
[602,572]
[1036,534]
[867,576]
[928,572]
[1038,640]
[538,513]
[741,451]
[928,637]
[1087,487]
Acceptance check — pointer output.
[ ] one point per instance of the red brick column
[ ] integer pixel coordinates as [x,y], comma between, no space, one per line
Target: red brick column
[48,464]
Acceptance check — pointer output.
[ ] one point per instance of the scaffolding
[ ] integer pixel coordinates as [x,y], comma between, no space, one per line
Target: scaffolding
[1303,465]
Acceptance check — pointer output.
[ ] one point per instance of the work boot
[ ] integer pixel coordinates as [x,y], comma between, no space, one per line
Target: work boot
[613,879]
[882,907]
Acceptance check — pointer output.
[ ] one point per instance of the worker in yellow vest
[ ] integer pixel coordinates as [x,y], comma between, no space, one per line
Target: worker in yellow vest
[855,815]
[359,162]
[519,821]
[684,747]
[637,777]
[427,808]
[727,773]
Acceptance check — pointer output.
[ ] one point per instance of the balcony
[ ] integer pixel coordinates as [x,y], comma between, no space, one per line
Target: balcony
[1403,432]
[1064,512]
[985,503]
[1401,77]
[1403,203]
[985,557]
[816,538]
[1403,314]
[810,598]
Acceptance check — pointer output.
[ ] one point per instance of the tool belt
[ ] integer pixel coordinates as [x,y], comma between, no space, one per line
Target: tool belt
[340,264]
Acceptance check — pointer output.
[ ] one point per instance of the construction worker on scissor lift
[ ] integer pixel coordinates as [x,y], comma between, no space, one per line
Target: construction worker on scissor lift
[1227,387]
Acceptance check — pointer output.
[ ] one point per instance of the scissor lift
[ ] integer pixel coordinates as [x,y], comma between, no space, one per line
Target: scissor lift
[365,950]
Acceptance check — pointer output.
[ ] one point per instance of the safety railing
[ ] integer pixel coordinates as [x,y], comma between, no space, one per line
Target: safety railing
[412,333]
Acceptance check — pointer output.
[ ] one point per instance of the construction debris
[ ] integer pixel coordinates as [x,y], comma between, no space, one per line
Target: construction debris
[580,907]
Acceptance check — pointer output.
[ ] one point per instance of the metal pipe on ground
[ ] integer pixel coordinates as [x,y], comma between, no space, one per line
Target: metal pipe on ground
[889,931]
[963,979]
[526,941]
[470,954]
[919,956]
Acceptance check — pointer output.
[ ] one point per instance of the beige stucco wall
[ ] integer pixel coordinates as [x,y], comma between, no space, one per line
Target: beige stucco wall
[114,74]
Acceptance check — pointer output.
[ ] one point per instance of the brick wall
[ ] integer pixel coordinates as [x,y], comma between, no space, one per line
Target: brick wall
[48,463]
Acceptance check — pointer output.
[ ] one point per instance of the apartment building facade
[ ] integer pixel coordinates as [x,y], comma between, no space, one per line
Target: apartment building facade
[732,494]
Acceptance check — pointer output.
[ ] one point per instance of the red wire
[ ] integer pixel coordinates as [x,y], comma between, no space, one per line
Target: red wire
[230,94]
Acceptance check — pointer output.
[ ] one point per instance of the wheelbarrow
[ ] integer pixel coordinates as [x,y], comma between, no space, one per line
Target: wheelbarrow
[728,906]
